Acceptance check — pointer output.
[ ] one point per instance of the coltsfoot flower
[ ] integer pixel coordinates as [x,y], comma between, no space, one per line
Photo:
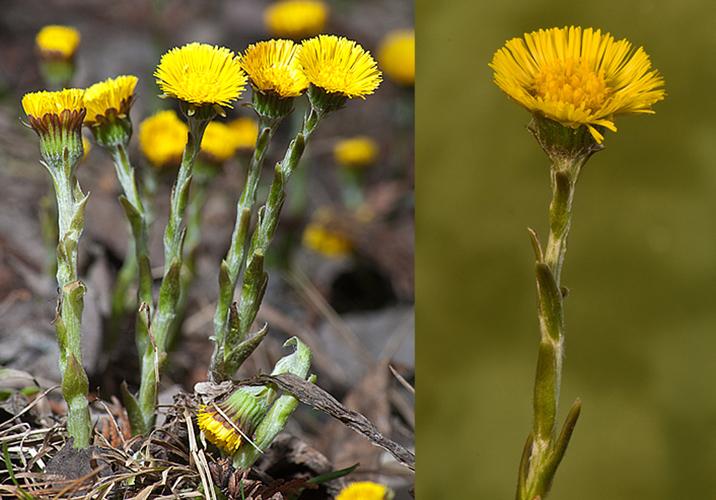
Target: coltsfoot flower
[396,56]
[57,42]
[111,97]
[201,75]
[57,118]
[218,143]
[245,132]
[275,75]
[108,104]
[337,69]
[577,77]
[226,424]
[296,18]
[359,151]
[162,138]
[365,490]
[322,236]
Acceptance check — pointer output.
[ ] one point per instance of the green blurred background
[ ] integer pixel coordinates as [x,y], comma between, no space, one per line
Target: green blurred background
[641,265]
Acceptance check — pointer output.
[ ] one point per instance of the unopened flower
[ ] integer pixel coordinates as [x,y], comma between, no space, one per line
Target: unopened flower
[357,151]
[245,131]
[57,42]
[162,138]
[296,18]
[218,143]
[577,77]
[202,75]
[337,69]
[396,56]
[365,490]
[57,118]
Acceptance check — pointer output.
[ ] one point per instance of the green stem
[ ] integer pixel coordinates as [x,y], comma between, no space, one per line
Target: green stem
[75,386]
[234,259]
[545,449]
[255,278]
[154,355]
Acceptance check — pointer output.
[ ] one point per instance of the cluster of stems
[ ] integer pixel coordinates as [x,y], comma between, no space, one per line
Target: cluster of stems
[233,320]
[568,149]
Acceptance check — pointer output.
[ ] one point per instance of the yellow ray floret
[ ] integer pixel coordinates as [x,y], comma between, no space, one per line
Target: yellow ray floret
[338,65]
[58,40]
[218,142]
[201,74]
[112,94]
[272,66]
[217,430]
[296,18]
[363,490]
[162,138]
[577,76]
[39,104]
[396,56]
[245,132]
[357,151]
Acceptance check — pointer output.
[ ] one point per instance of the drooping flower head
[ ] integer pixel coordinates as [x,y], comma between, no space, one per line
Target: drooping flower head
[57,42]
[396,56]
[57,117]
[218,143]
[201,75]
[577,77]
[245,132]
[339,66]
[359,151]
[113,96]
[162,138]
[365,490]
[296,18]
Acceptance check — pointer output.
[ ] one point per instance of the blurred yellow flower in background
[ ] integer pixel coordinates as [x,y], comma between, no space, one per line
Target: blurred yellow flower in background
[396,56]
[162,138]
[111,95]
[86,147]
[245,132]
[339,66]
[201,74]
[577,77]
[39,104]
[57,41]
[365,490]
[359,151]
[322,235]
[272,66]
[296,18]
[218,143]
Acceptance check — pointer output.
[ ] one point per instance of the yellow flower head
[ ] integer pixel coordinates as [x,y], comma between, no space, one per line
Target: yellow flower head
[322,236]
[339,66]
[65,109]
[112,96]
[218,143]
[162,138]
[57,41]
[364,490]
[577,77]
[217,430]
[245,132]
[296,18]
[357,151]
[272,66]
[201,74]
[396,56]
